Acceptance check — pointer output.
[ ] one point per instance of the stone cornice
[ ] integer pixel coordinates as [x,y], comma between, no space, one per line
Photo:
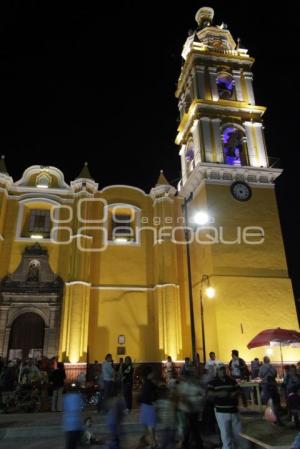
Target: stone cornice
[222,174]
[222,108]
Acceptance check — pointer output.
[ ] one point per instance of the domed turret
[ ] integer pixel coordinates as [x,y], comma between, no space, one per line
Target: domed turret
[204,16]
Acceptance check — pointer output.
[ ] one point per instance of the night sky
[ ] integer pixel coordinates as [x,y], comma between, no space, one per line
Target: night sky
[80,83]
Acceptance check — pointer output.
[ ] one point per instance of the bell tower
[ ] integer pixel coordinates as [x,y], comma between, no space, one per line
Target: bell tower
[226,172]
[221,130]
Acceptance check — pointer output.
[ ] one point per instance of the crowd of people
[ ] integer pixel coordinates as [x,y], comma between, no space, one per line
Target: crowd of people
[27,385]
[187,401]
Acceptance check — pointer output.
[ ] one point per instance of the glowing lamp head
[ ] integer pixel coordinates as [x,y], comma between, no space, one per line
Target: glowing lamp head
[269,351]
[210,292]
[201,218]
[36,236]
[121,240]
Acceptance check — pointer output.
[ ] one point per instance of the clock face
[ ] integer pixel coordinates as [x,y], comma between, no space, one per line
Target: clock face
[241,191]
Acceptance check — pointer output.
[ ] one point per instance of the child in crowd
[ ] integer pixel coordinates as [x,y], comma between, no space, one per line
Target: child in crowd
[88,437]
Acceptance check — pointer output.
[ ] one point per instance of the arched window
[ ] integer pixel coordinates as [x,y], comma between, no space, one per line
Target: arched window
[189,156]
[43,181]
[225,84]
[234,146]
[34,218]
[123,223]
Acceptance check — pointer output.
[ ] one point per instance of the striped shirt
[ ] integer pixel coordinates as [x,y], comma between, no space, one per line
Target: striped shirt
[225,394]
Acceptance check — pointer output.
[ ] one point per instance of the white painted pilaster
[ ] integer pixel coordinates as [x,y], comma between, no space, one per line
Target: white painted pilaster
[260,143]
[205,127]
[236,74]
[196,130]
[181,106]
[213,83]
[191,87]
[216,122]
[183,164]
[253,160]
[200,80]
[248,76]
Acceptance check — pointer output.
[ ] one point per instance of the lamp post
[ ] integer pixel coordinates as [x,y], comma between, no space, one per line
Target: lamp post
[189,272]
[200,218]
[210,292]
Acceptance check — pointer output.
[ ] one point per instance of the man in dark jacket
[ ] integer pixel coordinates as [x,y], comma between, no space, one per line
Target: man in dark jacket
[224,392]
[237,366]
[57,379]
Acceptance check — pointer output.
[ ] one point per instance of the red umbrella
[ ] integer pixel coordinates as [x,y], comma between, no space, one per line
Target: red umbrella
[281,336]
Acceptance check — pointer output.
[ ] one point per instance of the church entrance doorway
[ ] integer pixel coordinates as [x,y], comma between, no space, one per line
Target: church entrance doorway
[27,337]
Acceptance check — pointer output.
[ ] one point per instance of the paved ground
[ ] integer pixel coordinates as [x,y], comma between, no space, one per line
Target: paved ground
[49,443]
[53,443]
[44,431]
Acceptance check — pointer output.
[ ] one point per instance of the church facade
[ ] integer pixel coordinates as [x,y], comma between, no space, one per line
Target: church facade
[86,270]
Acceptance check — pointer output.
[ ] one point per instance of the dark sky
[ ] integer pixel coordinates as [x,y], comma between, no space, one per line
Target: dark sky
[80,83]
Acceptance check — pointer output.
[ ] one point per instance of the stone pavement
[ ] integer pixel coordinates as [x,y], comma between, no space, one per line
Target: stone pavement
[44,431]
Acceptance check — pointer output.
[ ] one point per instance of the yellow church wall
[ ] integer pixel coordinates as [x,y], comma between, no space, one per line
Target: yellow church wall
[266,258]
[165,250]
[247,305]
[75,323]
[184,302]
[13,247]
[3,209]
[122,264]
[161,316]
[169,319]
[9,258]
[129,313]
[256,293]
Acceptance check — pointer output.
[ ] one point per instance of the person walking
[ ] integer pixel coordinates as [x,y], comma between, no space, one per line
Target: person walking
[149,395]
[127,382]
[72,418]
[57,379]
[268,374]
[224,392]
[237,366]
[255,366]
[191,398]
[108,376]
[239,371]
[170,370]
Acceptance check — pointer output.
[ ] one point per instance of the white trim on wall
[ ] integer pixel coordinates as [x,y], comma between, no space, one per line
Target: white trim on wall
[138,211]
[22,204]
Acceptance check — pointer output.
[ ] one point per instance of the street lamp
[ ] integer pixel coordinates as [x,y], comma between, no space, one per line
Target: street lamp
[210,293]
[189,272]
[199,218]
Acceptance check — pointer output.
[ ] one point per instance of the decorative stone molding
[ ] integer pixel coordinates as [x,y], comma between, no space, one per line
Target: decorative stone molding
[224,174]
[33,287]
